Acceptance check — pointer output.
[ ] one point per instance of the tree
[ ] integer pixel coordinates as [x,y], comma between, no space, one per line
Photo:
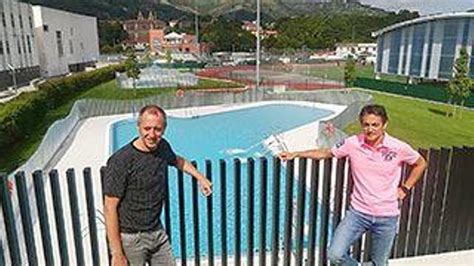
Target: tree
[132,68]
[459,87]
[349,72]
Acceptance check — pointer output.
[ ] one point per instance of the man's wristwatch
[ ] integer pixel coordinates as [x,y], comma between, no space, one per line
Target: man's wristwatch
[405,189]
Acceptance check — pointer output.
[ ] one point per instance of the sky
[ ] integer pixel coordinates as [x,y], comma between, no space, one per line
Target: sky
[425,7]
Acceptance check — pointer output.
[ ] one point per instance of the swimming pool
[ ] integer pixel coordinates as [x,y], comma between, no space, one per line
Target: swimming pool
[225,135]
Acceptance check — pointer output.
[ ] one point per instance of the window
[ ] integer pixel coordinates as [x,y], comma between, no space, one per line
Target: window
[418,43]
[448,49]
[7,46]
[59,43]
[28,40]
[393,59]
[380,52]
[72,31]
[24,45]
[430,50]
[4,21]
[1,47]
[71,47]
[45,28]
[21,21]
[30,21]
[12,19]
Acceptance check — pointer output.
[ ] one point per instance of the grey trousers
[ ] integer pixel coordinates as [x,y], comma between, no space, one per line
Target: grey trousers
[148,248]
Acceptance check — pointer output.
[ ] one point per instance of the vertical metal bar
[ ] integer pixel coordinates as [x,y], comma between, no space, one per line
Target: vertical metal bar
[263,210]
[403,224]
[368,247]
[338,192]
[276,210]
[416,192]
[223,180]
[182,222]
[210,233]
[451,210]
[59,216]
[313,208]
[91,216]
[237,177]
[38,182]
[428,195]
[470,220]
[102,175]
[438,200]
[197,256]
[167,206]
[23,199]
[2,254]
[9,220]
[464,202]
[288,213]
[250,229]
[323,258]
[76,221]
[300,206]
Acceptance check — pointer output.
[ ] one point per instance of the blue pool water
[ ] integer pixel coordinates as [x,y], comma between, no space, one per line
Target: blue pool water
[226,135]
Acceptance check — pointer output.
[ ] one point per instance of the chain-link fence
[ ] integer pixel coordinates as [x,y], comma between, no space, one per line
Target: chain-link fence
[156,77]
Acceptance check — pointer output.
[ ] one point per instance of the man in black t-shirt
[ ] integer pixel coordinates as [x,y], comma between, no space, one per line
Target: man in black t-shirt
[134,189]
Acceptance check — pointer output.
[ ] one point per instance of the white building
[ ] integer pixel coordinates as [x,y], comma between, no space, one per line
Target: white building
[67,42]
[17,44]
[356,49]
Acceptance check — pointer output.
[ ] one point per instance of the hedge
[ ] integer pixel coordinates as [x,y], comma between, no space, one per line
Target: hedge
[22,115]
[422,91]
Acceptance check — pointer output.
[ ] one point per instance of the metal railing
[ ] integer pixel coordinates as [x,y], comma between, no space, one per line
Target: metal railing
[271,214]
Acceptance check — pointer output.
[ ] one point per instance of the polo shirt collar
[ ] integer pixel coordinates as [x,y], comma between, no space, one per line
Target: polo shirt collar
[385,144]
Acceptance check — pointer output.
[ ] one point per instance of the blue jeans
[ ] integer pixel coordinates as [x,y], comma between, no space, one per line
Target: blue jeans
[351,228]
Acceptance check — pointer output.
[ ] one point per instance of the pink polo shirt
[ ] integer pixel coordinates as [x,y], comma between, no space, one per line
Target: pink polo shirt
[376,172]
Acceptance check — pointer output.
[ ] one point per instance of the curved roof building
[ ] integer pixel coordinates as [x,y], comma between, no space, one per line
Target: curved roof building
[425,47]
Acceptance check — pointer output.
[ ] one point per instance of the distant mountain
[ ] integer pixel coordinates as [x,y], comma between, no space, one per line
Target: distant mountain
[178,9]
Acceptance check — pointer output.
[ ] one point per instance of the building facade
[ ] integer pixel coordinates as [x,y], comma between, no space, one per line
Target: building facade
[18,50]
[426,47]
[160,42]
[138,30]
[67,42]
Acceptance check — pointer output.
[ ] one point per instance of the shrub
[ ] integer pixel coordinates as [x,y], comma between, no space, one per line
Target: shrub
[22,115]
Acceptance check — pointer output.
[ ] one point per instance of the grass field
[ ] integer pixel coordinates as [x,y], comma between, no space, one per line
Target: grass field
[337,73]
[19,153]
[424,124]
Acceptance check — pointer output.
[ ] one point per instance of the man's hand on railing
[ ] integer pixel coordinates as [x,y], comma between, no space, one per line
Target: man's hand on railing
[206,186]
[287,156]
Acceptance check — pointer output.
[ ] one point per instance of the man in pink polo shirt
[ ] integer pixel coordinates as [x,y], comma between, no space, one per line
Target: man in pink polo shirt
[376,163]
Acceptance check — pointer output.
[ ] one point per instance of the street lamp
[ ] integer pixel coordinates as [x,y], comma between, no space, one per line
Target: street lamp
[258,48]
[14,77]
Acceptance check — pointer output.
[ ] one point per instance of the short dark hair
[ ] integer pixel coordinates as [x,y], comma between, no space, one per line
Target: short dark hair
[374,109]
[152,109]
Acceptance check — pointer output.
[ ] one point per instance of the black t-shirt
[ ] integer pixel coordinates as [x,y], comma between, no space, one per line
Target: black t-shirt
[139,179]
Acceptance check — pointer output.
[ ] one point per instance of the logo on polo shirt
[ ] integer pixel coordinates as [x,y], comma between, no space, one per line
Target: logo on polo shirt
[389,155]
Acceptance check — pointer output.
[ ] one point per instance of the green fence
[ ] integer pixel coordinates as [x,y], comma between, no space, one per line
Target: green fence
[422,91]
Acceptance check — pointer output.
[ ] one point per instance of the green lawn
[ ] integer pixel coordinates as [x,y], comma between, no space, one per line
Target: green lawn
[424,124]
[20,152]
[337,73]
